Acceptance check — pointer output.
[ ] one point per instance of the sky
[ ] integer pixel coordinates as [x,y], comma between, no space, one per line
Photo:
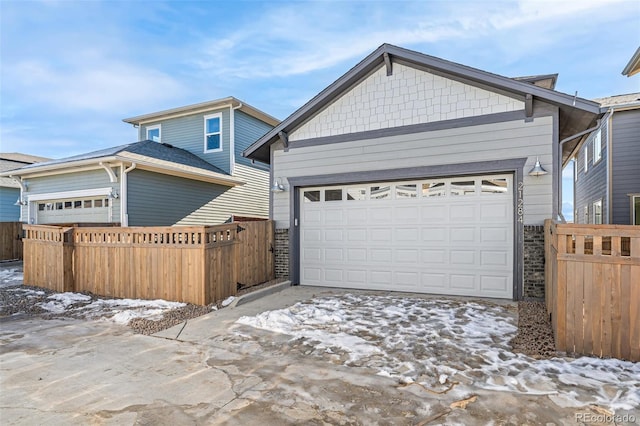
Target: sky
[70,71]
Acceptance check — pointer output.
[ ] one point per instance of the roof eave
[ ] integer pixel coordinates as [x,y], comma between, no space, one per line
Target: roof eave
[54,167]
[228,102]
[633,67]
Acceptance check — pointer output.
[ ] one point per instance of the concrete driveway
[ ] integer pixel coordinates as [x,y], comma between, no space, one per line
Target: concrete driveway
[230,367]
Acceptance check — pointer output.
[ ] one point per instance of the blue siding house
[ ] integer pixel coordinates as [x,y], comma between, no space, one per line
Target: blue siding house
[186,169]
[10,187]
[606,172]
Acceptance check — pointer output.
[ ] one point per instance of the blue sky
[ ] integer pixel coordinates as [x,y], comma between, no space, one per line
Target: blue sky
[72,70]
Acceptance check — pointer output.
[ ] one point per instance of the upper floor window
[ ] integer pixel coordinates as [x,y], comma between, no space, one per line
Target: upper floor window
[213,132]
[586,157]
[153,133]
[597,147]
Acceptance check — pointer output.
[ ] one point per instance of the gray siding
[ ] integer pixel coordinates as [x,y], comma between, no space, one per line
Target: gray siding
[82,180]
[161,200]
[248,130]
[188,133]
[625,163]
[8,211]
[592,185]
[504,140]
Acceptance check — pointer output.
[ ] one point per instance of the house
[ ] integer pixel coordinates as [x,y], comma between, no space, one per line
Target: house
[633,67]
[10,188]
[186,169]
[606,166]
[412,173]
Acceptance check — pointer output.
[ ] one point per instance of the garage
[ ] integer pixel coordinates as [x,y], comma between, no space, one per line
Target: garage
[449,236]
[73,210]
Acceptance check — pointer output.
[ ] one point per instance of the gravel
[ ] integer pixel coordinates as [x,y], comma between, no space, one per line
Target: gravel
[535,335]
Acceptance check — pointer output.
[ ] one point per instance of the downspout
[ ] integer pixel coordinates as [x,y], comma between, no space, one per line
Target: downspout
[610,166]
[124,196]
[23,189]
[559,165]
[232,138]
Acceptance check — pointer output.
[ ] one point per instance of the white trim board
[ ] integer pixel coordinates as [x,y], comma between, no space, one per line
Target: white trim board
[70,194]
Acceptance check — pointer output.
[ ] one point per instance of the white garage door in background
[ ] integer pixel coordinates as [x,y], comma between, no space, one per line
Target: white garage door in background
[73,210]
[443,236]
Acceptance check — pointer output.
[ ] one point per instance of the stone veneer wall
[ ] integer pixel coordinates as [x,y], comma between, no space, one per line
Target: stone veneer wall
[282,253]
[534,261]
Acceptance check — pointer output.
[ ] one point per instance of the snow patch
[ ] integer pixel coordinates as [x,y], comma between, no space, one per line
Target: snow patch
[432,341]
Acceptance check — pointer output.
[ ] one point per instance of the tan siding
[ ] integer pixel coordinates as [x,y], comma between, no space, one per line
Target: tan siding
[514,139]
[250,199]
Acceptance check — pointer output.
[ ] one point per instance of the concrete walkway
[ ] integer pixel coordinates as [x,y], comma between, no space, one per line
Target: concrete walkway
[83,372]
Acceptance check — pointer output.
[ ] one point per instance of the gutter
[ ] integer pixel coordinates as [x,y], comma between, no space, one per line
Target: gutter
[559,165]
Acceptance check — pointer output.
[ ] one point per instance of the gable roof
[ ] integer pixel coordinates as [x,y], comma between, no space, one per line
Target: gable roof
[575,113]
[229,101]
[548,81]
[629,99]
[633,67]
[159,157]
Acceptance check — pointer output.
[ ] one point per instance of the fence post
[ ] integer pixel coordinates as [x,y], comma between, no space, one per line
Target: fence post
[68,281]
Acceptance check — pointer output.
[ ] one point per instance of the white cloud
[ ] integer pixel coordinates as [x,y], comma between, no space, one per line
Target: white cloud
[103,86]
[293,40]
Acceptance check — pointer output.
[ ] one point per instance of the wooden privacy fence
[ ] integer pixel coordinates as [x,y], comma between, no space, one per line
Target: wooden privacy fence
[10,240]
[593,288]
[195,264]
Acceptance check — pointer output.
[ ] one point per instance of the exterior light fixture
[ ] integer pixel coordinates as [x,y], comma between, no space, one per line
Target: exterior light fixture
[537,169]
[20,202]
[277,186]
[113,194]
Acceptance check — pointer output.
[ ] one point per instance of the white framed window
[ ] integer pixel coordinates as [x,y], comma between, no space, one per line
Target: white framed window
[153,133]
[585,217]
[635,209]
[597,147]
[213,132]
[586,157]
[597,212]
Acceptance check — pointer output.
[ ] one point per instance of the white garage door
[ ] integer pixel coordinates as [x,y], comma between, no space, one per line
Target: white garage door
[76,210]
[444,236]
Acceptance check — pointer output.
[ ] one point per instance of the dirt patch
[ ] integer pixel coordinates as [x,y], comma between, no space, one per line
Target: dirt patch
[535,335]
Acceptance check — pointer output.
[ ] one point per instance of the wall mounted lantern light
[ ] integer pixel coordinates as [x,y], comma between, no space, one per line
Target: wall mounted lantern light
[537,170]
[277,186]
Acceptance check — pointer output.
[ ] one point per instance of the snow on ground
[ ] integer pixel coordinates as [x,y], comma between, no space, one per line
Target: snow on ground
[117,310]
[120,311]
[435,342]
[10,277]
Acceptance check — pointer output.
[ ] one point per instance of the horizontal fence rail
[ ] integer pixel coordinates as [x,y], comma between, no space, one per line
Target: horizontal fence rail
[195,264]
[593,288]
[10,240]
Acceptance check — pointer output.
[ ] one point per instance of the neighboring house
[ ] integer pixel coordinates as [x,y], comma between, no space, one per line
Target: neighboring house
[607,166]
[10,188]
[633,67]
[186,170]
[412,173]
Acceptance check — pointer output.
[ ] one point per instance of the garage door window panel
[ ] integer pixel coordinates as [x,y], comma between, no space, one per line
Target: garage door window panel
[380,192]
[311,196]
[406,191]
[463,187]
[356,194]
[434,189]
[333,195]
